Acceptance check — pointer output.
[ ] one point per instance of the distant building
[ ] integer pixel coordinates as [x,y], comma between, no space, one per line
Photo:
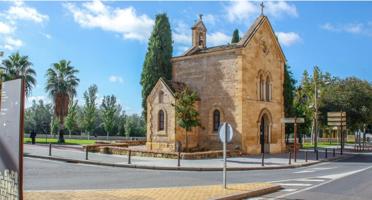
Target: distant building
[239,83]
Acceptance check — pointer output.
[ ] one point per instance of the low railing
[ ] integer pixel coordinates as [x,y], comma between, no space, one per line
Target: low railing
[85,137]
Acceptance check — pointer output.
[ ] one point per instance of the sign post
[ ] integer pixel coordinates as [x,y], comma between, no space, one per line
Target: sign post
[226,134]
[295,121]
[11,139]
[338,119]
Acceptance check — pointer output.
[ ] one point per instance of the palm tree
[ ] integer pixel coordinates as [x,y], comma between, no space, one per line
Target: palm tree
[61,86]
[17,66]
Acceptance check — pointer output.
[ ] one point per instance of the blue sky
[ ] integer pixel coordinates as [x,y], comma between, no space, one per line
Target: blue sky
[107,41]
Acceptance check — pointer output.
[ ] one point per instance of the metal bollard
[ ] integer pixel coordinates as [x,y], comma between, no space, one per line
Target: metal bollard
[179,159]
[305,156]
[263,159]
[317,154]
[129,157]
[50,149]
[289,157]
[334,152]
[86,153]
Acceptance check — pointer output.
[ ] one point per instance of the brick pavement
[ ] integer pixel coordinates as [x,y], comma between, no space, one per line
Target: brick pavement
[170,193]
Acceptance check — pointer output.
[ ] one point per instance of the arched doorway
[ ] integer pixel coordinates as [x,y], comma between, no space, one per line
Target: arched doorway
[265,133]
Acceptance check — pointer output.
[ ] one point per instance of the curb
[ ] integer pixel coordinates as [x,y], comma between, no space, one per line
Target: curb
[250,194]
[182,168]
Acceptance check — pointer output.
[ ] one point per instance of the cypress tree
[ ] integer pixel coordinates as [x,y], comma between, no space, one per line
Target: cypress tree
[157,61]
[235,37]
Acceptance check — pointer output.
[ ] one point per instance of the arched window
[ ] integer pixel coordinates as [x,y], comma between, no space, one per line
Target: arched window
[262,88]
[268,89]
[216,120]
[161,120]
[161,96]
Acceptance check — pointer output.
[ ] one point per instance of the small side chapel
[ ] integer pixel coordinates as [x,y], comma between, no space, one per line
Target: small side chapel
[239,83]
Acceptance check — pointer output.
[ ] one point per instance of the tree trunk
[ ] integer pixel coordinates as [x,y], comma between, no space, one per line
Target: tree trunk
[107,137]
[69,132]
[61,139]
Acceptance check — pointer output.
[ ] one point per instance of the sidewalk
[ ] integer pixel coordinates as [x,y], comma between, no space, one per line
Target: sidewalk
[233,191]
[74,153]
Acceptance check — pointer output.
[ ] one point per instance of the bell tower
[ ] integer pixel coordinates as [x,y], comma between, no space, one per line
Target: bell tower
[199,33]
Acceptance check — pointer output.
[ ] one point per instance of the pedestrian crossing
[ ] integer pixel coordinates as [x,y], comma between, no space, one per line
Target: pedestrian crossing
[291,186]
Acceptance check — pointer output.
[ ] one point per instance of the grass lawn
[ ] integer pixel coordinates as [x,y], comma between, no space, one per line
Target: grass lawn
[320,144]
[54,141]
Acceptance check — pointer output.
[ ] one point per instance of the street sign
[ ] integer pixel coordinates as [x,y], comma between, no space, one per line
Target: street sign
[337,119]
[293,120]
[336,124]
[336,114]
[226,134]
[226,129]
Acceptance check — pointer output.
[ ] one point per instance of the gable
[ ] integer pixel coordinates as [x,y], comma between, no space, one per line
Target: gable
[161,85]
[262,25]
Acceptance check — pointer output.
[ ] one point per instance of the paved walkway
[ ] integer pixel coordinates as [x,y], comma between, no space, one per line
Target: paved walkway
[238,162]
[233,191]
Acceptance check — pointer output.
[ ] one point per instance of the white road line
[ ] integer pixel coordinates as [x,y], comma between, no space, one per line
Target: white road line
[296,184]
[311,180]
[334,176]
[288,190]
[304,171]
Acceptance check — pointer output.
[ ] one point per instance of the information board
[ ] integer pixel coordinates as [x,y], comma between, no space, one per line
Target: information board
[11,139]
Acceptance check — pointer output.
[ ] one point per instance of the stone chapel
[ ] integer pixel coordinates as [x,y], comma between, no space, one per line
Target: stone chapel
[239,83]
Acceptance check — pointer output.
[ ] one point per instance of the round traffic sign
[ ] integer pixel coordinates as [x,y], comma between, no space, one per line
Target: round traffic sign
[226,129]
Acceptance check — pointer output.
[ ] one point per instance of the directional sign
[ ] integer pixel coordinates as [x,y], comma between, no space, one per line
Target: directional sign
[226,128]
[337,119]
[293,120]
[336,114]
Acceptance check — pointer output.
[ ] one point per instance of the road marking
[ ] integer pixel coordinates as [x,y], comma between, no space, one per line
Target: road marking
[310,180]
[335,176]
[295,184]
[304,171]
[288,190]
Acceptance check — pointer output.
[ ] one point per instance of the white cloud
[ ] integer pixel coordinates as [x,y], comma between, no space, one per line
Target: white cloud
[19,11]
[37,99]
[11,43]
[218,38]
[288,39]
[116,79]
[210,19]
[241,10]
[280,8]
[46,35]
[6,28]
[355,28]
[119,20]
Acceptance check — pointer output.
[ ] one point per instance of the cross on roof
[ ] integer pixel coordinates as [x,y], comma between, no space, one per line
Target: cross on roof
[262,7]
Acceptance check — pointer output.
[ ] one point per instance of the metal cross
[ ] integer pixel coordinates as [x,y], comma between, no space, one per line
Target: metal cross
[262,7]
[200,16]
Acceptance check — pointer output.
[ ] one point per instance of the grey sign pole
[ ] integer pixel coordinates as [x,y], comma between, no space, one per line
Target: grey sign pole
[224,157]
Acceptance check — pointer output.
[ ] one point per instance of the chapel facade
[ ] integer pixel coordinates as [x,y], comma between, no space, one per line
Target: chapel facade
[240,83]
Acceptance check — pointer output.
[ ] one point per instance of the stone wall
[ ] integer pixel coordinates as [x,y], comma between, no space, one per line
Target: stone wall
[9,185]
[214,77]
[164,139]
[262,55]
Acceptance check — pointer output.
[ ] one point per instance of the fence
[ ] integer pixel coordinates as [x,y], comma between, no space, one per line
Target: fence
[9,185]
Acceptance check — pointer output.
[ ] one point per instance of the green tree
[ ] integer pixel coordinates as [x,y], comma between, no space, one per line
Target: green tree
[54,125]
[70,121]
[135,126]
[288,93]
[61,86]
[157,61]
[18,66]
[186,114]
[235,37]
[109,109]
[90,109]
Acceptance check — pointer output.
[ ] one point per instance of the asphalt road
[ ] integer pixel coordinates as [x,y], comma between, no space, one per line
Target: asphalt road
[348,178]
